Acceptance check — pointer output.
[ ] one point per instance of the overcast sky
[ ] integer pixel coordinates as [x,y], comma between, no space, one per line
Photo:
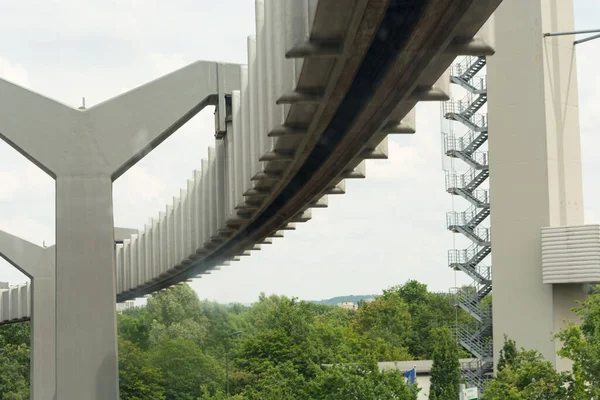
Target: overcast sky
[385,230]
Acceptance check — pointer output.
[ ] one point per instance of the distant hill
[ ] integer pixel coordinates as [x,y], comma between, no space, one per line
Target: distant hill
[342,299]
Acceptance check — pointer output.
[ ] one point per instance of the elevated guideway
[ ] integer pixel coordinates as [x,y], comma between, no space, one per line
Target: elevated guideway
[15,303]
[323,88]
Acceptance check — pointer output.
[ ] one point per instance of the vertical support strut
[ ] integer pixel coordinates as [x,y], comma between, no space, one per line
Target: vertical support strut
[87,341]
[468,74]
[536,169]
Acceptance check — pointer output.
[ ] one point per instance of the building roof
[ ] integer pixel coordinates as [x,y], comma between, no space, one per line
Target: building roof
[421,366]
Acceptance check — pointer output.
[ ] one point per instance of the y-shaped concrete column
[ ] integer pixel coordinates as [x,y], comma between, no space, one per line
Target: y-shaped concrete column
[37,263]
[85,151]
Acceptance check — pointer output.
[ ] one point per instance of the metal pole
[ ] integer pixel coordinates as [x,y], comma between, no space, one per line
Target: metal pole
[571,33]
[587,39]
[461,391]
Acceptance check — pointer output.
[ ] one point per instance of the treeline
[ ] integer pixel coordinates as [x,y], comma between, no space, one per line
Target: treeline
[278,348]
[343,299]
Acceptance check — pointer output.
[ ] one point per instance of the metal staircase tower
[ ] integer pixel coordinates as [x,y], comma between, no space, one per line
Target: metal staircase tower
[468,74]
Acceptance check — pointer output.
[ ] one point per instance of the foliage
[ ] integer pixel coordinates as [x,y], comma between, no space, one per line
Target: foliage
[134,326]
[186,369]
[528,377]
[14,361]
[429,311]
[361,382]
[356,299]
[386,322]
[174,347]
[582,345]
[14,379]
[445,372]
[508,353]
[138,379]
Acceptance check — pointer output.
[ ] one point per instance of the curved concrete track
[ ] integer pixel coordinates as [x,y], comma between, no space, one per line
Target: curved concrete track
[323,88]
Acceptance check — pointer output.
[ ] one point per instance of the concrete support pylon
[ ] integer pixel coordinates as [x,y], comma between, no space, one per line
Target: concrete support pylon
[535,168]
[85,151]
[38,264]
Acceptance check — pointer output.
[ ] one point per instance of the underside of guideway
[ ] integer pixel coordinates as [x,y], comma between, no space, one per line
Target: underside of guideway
[333,93]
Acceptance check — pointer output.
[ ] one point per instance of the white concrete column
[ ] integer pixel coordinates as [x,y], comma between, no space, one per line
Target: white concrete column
[85,289]
[535,167]
[37,263]
[43,330]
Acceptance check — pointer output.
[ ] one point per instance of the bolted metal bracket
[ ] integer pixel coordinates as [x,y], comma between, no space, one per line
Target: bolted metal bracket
[223,113]
[223,116]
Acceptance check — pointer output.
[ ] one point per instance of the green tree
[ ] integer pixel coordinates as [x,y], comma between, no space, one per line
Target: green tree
[528,377]
[445,372]
[508,353]
[186,369]
[138,379]
[173,348]
[134,326]
[582,345]
[175,305]
[14,372]
[428,311]
[14,361]
[16,334]
[284,330]
[278,382]
[387,322]
[360,381]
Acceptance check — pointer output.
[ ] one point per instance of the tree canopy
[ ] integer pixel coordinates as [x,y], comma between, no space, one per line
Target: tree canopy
[445,372]
[174,347]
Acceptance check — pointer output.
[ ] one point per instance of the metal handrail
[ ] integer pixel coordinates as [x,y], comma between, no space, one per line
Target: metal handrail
[475,121]
[481,346]
[461,105]
[452,142]
[483,195]
[463,256]
[459,144]
[482,272]
[481,158]
[483,233]
[459,68]
[462,218]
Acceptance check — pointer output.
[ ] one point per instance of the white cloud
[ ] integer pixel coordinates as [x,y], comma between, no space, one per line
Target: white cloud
[591,217]
[15,73]
[9,185]
[138,197]
[403,162]
[166,63]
